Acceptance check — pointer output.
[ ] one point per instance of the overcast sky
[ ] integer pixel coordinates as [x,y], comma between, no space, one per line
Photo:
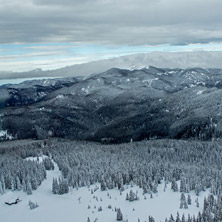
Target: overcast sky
[54,33]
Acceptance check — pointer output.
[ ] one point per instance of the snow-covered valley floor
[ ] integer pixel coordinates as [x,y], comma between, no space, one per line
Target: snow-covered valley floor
[78,205]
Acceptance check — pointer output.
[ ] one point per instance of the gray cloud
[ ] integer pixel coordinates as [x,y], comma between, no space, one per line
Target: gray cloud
[111,22]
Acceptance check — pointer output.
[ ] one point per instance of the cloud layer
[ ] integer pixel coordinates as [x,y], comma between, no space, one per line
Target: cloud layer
[111,22]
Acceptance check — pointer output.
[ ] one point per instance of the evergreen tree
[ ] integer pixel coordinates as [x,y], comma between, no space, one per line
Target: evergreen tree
[63,186]
[18,184]
[183,218]
[189,199]
[182,185]
[197,202]
[1,188]
[174,185]
[197,189]
[132,196]
[178,217]
[55,186]
[33,205]
[119,216]
[28,188]
[103,185]
[189,218]
[183,202]
[151,219]
[171,218]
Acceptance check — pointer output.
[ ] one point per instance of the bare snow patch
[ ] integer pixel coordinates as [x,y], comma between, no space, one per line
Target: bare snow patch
[38,159]
[79,204]
[200,92]
[150,81]
[5,135]
[60,97]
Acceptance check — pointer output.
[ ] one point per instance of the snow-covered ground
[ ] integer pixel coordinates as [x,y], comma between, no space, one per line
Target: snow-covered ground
[78,205]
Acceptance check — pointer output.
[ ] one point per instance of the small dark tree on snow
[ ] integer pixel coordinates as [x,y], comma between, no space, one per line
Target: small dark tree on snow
[183,202]
[174,185]
[171,218]
[197,189]
[33,205]
[189,200]
[183,185]
[197,202]
[88,220]
[103,185]
[100,208]
[185,205]
[55,186]
[132,196]
[119,215]
[64,187]
[178,217]
[1,188]
[189,218]
[151,219]
[60,187]
[183,218]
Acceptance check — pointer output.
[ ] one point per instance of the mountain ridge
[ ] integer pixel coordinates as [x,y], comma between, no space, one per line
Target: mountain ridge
[117,105]
[183,60]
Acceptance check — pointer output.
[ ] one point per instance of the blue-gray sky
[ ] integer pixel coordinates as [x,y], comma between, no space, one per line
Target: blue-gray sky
[54,33]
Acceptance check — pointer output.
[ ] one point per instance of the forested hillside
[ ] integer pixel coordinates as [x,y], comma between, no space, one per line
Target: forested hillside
[184,166]
[116,106]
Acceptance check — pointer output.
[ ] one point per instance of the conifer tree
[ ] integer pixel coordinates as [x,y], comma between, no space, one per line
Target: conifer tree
[174,185]
[119,216]
[55,186]
[151,219]
[189,200]
[178,217]
[28,188]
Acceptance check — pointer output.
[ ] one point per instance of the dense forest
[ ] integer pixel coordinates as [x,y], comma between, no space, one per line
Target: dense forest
[185,165]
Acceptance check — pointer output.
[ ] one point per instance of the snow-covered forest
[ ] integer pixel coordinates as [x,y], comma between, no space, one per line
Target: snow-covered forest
[126,182]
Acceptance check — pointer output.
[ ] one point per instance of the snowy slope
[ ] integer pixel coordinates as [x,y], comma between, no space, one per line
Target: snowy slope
[80,204]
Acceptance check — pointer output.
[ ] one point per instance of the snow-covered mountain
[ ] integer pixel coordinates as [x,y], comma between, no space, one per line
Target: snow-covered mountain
[117,105]
[183,60]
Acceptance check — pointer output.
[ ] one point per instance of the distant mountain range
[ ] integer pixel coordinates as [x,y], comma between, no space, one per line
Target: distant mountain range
[181,60]
[116,106]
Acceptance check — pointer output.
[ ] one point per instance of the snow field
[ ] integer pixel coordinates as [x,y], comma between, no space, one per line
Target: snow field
[78,205]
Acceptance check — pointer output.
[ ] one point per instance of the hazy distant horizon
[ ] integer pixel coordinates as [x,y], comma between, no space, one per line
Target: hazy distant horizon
[20,80]
[201,59]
